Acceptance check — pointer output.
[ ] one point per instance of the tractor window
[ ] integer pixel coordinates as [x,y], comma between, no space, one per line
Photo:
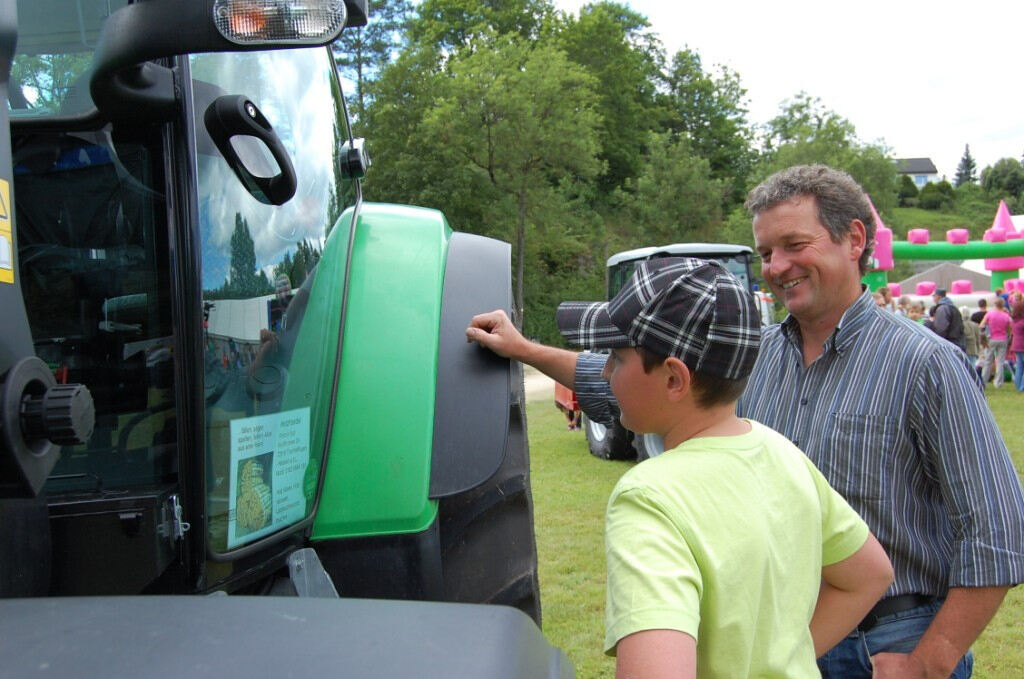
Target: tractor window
[56,39]
[271,295]
[92,243]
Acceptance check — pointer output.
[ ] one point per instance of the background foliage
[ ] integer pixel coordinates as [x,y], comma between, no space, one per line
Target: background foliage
[575,136]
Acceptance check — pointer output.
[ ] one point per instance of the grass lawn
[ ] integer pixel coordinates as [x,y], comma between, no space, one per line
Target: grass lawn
[570,489]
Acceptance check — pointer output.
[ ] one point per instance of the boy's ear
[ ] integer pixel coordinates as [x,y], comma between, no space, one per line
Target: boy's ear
[679,378]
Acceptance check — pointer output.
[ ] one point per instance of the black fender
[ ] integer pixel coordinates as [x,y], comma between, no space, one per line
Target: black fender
[473,393]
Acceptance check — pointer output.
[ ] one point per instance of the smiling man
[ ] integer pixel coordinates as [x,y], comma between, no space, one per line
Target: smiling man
[895,419]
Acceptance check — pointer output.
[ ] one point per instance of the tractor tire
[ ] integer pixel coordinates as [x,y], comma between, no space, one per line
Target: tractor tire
[648,446]
[608,443]
[488,547]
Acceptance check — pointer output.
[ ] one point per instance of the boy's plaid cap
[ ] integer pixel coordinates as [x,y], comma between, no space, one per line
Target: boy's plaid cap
[689,308]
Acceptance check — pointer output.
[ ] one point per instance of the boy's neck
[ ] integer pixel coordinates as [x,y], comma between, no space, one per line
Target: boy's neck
[718,420]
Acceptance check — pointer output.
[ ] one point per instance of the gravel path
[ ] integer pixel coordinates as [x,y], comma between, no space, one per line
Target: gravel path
[539,387]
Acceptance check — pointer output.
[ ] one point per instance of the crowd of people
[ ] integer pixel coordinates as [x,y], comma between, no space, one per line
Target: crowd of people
[821,507]
[993,339]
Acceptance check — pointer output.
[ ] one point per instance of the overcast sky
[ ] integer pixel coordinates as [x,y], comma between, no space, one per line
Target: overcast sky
[926,78]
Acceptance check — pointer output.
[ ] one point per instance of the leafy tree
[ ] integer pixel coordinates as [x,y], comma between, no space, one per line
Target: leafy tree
[675,197]
[244,280]
[614,44]
[806,132]
[936,196]
[450,25]
[710,110]
[362,52]
[297,268]
[965,171]
[1005,179]
[503,110]
[908,191]
[43,82]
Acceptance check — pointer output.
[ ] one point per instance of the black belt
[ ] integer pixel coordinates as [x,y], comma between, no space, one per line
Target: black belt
[891,606]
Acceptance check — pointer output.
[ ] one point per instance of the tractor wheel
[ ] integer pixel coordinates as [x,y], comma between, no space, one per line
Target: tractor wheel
[488,548]
[607,443]
[647,446]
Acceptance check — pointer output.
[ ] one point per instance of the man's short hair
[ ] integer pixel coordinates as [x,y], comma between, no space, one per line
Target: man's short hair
[837,195]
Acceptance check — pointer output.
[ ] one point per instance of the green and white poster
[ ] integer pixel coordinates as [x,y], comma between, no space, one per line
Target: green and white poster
[269,456]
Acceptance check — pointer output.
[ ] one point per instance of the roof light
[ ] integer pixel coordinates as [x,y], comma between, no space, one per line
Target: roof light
[279,21]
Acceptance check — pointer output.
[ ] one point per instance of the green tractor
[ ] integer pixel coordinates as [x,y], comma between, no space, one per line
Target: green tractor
[615,442]
[224,372]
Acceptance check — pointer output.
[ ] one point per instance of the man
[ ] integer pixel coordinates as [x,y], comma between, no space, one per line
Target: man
[948,323]
[896,422]
[982,310]
[891,414]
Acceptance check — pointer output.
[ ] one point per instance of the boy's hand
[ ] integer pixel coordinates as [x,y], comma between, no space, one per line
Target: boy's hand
[496,331]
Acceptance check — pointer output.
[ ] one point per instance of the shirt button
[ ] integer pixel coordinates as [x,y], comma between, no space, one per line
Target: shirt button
[796,443]
[803,401]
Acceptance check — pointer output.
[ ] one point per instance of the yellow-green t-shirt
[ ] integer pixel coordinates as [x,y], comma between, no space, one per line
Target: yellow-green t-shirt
[724,538]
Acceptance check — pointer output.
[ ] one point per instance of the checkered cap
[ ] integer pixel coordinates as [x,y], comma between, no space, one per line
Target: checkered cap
[689,308]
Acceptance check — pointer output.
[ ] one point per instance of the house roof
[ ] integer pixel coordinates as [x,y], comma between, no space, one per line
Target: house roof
[916,166]
[944,274]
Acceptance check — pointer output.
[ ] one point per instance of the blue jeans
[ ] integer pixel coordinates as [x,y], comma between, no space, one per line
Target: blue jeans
[1018,370]
[896,633]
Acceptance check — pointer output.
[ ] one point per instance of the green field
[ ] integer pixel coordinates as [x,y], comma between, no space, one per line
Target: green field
[570,488]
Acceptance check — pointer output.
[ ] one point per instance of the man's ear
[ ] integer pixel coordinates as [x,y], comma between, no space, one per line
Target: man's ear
[858,235]
[679,378]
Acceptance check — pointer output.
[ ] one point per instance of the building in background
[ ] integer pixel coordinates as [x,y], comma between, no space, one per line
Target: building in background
[921,170]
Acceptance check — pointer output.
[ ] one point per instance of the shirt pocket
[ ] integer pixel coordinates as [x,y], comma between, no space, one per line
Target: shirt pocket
[859,456]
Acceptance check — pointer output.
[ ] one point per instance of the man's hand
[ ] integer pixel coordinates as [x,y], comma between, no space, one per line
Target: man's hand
[897,666]
[497,332]
[958,623]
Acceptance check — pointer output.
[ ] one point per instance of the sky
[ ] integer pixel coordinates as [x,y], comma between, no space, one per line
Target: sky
[924,78]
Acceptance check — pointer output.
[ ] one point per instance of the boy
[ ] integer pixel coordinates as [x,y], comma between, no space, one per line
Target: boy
[728,555]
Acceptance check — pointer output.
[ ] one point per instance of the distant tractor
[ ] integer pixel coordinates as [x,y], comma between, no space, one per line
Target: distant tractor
[616,442]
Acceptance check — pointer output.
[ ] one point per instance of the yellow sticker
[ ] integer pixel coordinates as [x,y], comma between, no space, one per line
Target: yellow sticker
[6,238]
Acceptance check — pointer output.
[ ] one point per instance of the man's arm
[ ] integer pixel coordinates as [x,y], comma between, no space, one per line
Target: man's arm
[849,589]
[656,654]
[496,331]
[943,322]
[962,618]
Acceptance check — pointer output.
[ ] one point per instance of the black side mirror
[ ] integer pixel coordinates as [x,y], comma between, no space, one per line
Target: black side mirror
[235,124]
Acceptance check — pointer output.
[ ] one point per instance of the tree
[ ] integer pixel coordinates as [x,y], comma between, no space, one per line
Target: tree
[244,280]
[1005,179]
[362,52]
[614,44]
[806,132]
[297,268]
[711,112]
[965,171]
[451,25]
[503,109]
[44,82]
[908,191]
[936,196]
[675,198]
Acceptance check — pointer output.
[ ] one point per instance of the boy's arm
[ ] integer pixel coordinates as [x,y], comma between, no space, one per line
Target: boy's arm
[496,331]
[849,589]
[656,654]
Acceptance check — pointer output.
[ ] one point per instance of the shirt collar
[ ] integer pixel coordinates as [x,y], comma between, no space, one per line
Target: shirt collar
[857,315]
